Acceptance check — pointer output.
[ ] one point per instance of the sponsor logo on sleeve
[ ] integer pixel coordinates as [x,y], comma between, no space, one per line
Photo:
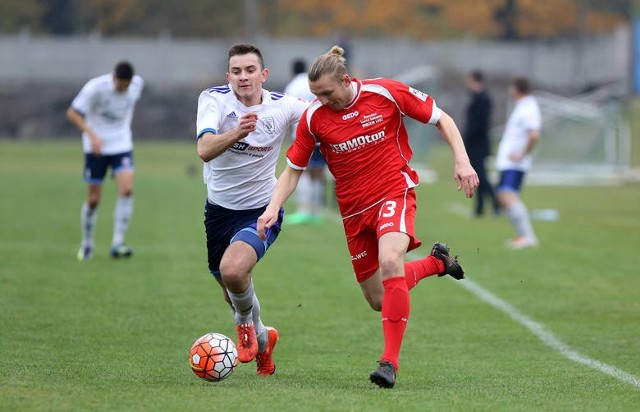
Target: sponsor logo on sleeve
[420,95]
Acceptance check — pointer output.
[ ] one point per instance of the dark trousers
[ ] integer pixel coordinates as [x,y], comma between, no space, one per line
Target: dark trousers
[485,188]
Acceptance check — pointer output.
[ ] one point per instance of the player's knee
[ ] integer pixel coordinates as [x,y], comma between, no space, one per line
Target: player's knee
[125,189]
[231,273]
[390,266]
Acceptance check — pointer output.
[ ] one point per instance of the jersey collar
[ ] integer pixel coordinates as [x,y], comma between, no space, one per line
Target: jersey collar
[356,86]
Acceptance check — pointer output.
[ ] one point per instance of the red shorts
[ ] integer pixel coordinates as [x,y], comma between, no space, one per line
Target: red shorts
[393,214]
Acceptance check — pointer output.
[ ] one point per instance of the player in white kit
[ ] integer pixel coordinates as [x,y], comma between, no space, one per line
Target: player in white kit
[514,158]
[239,131]
[310,192]
[103,111]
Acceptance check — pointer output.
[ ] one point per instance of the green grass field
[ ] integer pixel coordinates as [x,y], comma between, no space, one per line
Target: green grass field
[109,335]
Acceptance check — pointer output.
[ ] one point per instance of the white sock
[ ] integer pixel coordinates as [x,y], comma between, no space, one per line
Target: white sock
[247,310]
[88,218]
[121,217]
[317,196]
[261,331]
[303,193]
[243,304]
[519,216]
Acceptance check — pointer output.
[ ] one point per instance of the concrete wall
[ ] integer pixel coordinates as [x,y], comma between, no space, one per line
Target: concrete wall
[168,63]
[177,70]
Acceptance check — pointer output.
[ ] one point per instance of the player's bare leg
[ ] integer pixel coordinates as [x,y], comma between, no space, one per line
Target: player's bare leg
[122,213]
[225,295]
[373,291]
[392,248]
[235,268]
[88,219]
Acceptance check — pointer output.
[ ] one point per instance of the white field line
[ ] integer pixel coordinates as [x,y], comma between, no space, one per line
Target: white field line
[541,332]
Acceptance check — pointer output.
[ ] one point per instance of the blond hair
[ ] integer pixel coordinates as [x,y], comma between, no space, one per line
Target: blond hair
[332,62]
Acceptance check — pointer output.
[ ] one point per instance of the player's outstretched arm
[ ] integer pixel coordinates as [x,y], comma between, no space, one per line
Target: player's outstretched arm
[287,183]
[212,145]
[465,176]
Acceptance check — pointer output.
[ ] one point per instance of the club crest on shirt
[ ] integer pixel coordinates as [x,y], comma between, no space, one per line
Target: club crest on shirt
[269,124]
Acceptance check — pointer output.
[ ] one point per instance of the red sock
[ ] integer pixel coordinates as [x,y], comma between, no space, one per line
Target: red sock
[395,314]
[416,270]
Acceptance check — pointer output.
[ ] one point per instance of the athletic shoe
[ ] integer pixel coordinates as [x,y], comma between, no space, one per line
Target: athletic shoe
[384,376]
[247,343]
[264,359]
[521,242]
[121,251]
[85,253]
[451,266]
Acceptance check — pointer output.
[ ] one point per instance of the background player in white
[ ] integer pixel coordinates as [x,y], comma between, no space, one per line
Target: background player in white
[103,111]
[514,158]
[310,192]
[240,128]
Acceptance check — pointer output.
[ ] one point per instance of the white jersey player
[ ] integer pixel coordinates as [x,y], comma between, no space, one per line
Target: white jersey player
[310,197]
[240,128]
[103,111]
[514,158]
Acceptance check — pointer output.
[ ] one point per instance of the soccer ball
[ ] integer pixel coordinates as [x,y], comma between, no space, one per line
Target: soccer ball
[213,357]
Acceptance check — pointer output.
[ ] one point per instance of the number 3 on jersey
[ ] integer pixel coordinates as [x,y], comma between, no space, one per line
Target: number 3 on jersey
[388,209]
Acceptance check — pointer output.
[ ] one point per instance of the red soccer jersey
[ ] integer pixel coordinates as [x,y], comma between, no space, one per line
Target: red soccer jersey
[366,145]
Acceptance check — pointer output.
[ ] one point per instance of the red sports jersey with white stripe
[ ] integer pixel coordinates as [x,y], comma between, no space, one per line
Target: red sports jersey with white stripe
[366,145]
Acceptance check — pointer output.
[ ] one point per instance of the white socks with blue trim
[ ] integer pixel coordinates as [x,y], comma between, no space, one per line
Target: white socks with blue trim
[88,218]
[247,308]
[519,217]
[121,217]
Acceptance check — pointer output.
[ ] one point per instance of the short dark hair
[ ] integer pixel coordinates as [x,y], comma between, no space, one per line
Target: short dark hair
[299,66]
[124,71]
[477,76]
[522,85]
[243,48]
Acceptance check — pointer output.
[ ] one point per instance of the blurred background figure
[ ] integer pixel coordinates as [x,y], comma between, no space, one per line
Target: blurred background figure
[103,111]
[310,194]
[476,138]
[514,159]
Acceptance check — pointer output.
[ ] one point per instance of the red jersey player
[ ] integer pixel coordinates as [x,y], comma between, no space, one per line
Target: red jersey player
[359,125]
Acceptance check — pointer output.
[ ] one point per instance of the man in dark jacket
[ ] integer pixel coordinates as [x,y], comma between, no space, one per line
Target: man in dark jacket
[476,138]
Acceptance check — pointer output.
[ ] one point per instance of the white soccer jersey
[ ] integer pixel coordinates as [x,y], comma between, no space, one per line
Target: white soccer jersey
[524,118]
[108,112]
[244,176]
[299,87]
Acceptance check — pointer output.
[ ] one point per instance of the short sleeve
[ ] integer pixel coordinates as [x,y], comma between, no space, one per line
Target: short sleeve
[208,118]
[532,118]
[82,102]
[300,151]
[139,85]
[296,107]
[413,102]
